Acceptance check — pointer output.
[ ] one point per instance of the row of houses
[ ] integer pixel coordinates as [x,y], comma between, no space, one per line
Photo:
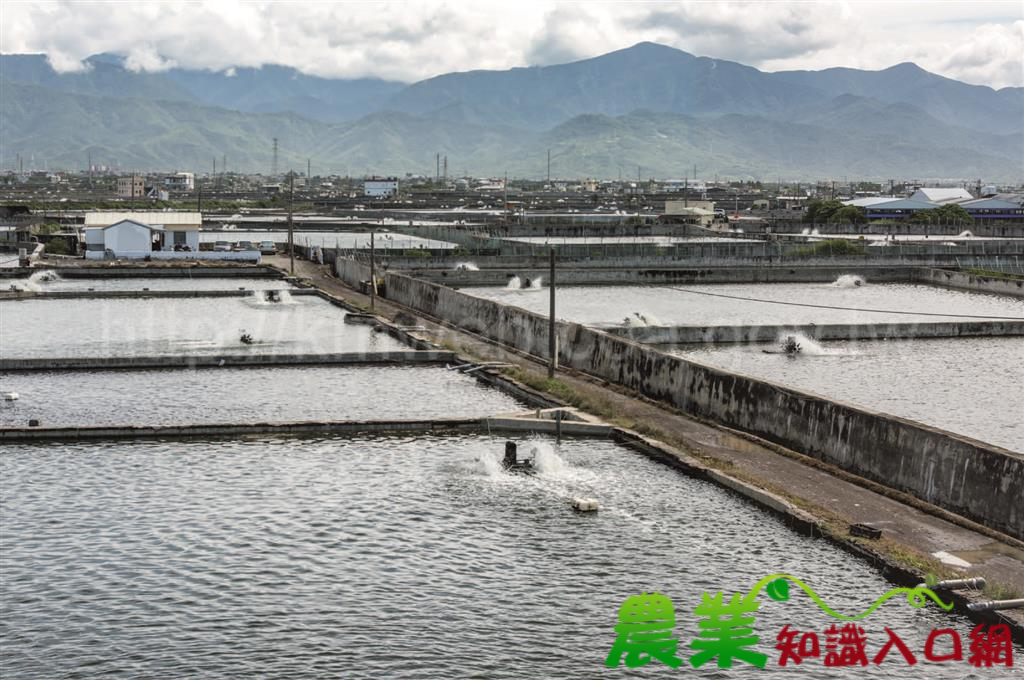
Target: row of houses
[993,206]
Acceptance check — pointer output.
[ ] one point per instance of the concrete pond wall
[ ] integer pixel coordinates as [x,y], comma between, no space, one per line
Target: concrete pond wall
[968,477]
[972,282]
[652,274]
[672,335]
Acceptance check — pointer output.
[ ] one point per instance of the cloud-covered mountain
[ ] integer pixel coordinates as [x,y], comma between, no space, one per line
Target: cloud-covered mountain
[649,105]
[646,76]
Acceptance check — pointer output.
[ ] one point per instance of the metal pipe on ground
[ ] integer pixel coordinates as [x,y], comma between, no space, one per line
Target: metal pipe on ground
[996,605]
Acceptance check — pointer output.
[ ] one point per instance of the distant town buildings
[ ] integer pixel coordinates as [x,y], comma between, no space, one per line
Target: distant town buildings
[697,212]
[380,187]
[131,187]
[180,181]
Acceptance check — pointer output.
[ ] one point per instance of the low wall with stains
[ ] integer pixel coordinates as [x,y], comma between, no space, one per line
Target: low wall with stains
[969,477]
[972,282]
[672,335]
[350,271]
[571,274]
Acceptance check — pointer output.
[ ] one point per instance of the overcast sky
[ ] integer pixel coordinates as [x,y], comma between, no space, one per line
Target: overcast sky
[977,42]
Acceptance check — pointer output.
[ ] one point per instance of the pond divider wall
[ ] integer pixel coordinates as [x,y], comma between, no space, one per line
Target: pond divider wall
[972,282]
[969,477]
[669,335]
[227,360]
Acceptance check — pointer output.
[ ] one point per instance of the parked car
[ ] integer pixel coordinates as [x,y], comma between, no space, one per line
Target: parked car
[245,245]
[268,248]
[223,246]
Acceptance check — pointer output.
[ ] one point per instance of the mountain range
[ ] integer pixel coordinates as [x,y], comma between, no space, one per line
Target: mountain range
[648,105]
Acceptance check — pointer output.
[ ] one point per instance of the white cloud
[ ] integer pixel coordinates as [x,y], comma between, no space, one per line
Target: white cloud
[980,42]
[991,52]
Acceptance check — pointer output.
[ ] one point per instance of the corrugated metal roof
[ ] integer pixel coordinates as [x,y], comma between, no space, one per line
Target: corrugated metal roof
[186,220]
[992,203]
[902,204]
[151,227]
[942,194]
[868,201]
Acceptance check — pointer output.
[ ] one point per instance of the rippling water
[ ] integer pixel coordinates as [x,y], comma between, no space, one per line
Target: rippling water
[974,386]
[133,327]
[245,395]
[386,557]
[158,283]
[604,305]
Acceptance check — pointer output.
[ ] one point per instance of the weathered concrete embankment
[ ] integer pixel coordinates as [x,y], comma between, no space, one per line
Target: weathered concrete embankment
[962,475]
[144,293]
[149,270]
[522,422]
[672,335]
[573,275]
[972,282]
[411,356]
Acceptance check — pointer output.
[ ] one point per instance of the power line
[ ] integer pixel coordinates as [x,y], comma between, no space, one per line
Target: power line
[845,309]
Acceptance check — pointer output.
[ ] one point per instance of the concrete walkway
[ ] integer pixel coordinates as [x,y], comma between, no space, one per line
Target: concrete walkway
[917,536]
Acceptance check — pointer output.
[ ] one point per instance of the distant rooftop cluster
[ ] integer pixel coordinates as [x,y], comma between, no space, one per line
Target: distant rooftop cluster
[989,204]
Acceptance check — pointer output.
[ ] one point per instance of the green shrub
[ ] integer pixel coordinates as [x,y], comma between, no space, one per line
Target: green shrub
[58,246]
[838,247]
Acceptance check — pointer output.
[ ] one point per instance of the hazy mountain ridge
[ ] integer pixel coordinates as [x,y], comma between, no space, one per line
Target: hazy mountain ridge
[648,105]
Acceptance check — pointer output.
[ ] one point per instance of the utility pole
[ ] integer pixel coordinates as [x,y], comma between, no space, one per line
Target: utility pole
[549,166]
[552,339]
[638,193]
[504,210]
[309,166]
[273,163]
[291,229]
[90,169]
[373,273]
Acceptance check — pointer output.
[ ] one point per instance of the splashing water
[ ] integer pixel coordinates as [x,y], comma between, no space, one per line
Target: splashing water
[545,460]
[848,281]
[466,267]
[32,284]
[794,344]
[806,231]
[807,346]
[517,283]
[44,276]
[488,463]
[638,320]
[815,232]
[966,234]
